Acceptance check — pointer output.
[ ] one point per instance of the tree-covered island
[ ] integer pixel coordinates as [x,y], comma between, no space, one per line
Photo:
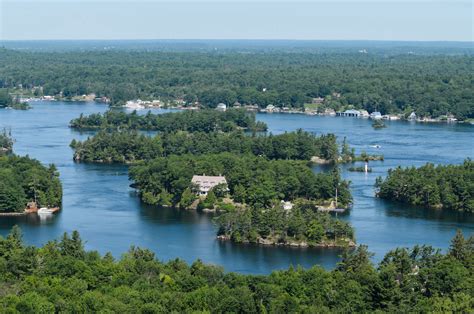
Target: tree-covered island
[251,180]
[257,200]
[24,180]
[299,225]
[131,146]
[188,120]
[448,187]
[62,276]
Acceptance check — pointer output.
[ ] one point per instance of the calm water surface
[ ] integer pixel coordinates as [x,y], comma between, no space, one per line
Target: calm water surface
[99,203]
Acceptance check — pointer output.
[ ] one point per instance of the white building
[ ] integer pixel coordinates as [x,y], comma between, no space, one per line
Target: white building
[270,108]
[287,206]
[207,183]
[221,107]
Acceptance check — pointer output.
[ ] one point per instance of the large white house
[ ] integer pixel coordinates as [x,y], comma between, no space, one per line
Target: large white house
[206,183]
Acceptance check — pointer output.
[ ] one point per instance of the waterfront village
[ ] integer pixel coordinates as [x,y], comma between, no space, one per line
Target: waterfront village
[317,107]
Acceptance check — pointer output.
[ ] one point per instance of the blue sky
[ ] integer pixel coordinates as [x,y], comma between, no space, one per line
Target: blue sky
[233,19]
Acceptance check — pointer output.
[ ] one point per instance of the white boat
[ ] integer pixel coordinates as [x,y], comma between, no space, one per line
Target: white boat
[45,211]
[375,146]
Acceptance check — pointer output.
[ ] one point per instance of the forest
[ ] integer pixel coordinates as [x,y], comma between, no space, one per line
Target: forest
[7,101]
[252,180]
[301,226]
[6,142]
[448,187]
[23,180]
[131,146]
[62,276]
[428,84]
[189,120]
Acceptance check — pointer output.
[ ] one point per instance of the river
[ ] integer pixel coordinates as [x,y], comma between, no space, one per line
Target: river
[99,203]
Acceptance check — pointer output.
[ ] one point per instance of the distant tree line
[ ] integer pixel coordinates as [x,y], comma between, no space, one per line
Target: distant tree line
[62,276]
[449,187]
[131,146]
[191,121]
[430,85]
[255,181]
[23,180]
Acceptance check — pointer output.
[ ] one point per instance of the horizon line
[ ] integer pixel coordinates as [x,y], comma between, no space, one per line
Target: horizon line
[242,39]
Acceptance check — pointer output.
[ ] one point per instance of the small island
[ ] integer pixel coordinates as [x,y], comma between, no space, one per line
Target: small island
[27,186]
[251,186]
[284,224]
[378,124]
[360,169]
[188,120]
[439,187]
[251,180]
[131,146]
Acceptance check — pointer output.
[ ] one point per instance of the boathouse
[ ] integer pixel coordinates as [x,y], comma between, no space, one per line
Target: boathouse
[348,113]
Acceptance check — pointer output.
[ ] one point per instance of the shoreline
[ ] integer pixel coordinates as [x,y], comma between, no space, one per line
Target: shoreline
[299,245]
[262,111]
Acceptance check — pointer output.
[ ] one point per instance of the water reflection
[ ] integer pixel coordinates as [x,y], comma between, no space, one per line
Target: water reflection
[393,209]
[29,219]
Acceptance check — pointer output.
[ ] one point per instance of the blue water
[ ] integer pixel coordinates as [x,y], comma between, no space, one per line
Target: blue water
[99,203]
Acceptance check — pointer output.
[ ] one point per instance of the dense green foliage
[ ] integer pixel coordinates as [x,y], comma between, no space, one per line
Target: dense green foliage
[378,124]
[189,120]
[6,142]
[449,187]
[133,146]
[253,180]
[7,101]
[23,179]
[63,277]
[427,84]
[302,225]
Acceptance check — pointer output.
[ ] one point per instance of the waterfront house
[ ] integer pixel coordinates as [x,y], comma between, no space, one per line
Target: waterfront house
[206,183]
[349,113]
[317,100]
[451,118]
[364,113]
[270,108]
[251,107]
[221,107]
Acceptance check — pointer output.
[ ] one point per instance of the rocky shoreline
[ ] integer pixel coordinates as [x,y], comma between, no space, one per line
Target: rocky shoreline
[296,244]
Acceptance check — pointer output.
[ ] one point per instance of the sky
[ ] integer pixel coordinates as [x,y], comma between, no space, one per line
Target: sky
[418,20]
